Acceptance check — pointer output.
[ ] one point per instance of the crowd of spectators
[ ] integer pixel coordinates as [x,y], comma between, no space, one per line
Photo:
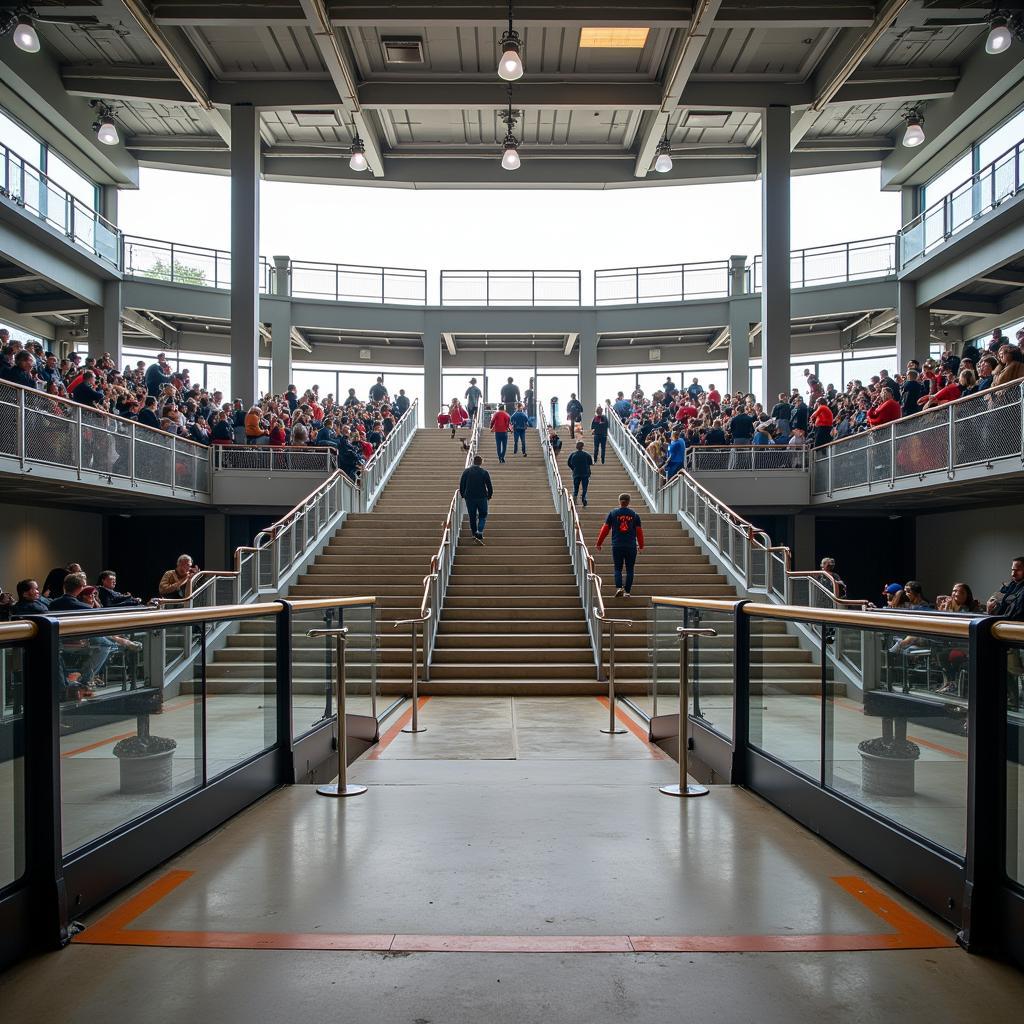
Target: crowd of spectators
[671,419]
[163,398]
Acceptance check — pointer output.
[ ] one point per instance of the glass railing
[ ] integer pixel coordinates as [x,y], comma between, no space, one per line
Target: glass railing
[834,264]
[38,429]
[978,430]
[13,744]
[980,194]
[38,194]
[510,288]
[679,282]
[341,282]
[180,263]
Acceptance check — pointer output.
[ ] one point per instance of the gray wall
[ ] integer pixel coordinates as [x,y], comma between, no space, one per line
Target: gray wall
[974,547]
[36,540]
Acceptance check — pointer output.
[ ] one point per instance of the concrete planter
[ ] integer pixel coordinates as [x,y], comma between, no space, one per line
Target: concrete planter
[887,769]
[144,772]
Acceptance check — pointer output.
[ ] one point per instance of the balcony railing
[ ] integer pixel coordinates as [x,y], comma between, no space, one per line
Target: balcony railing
[981,193]
[342,282]
[756,458]
[978,430]
[179,263]
[264,458]
[510,288]
[27,186]
[677,282]
[834,264]
[38,429]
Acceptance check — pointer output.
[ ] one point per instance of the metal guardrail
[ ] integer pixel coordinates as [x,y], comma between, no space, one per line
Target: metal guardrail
[976,430]
[181,263]
[31,189]
[265,458]
[39,429]
[341,282]
[980,194]
[588,583]
[834,264]
[676,282]
[382,462]
[756,458]
[510,288]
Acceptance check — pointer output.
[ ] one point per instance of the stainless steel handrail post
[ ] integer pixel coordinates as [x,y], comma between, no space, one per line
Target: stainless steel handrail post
[343,787]
[414,726]
[612,730]
[684,788]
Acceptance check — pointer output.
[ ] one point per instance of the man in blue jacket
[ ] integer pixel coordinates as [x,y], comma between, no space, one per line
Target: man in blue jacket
[520,422]
[580,463]
[676,457]
[476,489]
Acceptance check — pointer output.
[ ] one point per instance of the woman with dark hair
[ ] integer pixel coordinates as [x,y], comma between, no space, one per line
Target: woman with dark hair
[53,586]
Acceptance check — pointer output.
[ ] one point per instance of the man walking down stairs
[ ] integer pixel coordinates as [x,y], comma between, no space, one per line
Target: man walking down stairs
[512,622]
[385,553]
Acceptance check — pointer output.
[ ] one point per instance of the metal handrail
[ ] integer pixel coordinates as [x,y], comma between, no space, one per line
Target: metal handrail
[275,457]
[379,275]
[800,257]
[663,274]
[180,272]
[772,457]
[912,236]
[83,224]
[489,277]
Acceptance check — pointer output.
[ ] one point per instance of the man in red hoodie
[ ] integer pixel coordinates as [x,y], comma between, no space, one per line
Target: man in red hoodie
[627,538]
[886,411]
[500,421]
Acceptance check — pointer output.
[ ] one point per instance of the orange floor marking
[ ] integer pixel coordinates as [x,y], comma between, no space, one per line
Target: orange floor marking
[849,705]
[123,735]
[634,727]
[388,738]
[908,932]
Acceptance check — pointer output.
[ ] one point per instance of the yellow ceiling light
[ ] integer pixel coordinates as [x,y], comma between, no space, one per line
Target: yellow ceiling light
[613,38]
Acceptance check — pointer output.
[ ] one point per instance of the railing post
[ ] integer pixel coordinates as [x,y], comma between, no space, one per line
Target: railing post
[741,694]
[685,788]
[950,440]
[611,730]
[285,724]
[22,412]
[414,726]
[78,420]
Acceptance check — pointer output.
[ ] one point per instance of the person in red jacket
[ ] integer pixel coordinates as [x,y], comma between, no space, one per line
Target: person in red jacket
[886,411]
[822,420]
[500,421]
[627,538]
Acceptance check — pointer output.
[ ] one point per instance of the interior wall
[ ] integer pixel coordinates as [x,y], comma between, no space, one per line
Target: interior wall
[870,551]
[36,540]
[974,546]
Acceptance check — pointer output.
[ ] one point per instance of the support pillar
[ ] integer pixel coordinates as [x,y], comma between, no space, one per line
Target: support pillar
[431,376]
[775,286]
[104,324]
[739,327]
[913,327]
[908,204]
[245,259]
[108,203]
[279,319]
[587,393]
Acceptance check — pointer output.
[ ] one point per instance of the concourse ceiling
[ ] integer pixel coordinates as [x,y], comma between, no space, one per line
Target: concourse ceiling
[591,117]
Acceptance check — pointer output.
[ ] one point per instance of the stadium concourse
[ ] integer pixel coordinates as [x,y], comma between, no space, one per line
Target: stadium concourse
[631,642]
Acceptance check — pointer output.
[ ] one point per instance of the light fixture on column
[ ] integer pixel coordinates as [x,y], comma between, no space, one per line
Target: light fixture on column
[510,66]
[357,151]
[104,126]
[663,164]
[510,152]
[914,133]
[23,31]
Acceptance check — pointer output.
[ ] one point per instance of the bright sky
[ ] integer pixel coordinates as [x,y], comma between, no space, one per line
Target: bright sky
[493,229]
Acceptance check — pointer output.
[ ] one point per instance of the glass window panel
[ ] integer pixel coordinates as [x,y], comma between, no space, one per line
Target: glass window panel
[558,386]
[12,769]
[27,146]
[411,384]
[1014,769]
[610,384]
[67,177]
[1003,138]
[956,174]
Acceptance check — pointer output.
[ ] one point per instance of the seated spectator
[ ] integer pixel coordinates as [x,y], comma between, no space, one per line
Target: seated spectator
[175,583]
[886,411]
[1009,602]
[53,586]
[108,594]
[30,600]
[86,393]
[915,597]
[1011,365]
[255,431]
[961,599]
[70,599]
[20,372]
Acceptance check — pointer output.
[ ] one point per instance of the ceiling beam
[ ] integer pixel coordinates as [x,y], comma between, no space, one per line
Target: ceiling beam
[1013,278]
[841,62]
[960,302]
[449,342]
[50,304]
[430,94]
[721,340]
[298,340]
[344,77]
[868,85]
[570,342]
[143,325]
[685,60]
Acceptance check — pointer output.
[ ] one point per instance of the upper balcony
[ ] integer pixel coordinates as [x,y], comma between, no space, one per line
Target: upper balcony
[25,186]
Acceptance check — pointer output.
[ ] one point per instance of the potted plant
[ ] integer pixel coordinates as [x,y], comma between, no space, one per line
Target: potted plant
[887,766]
[145,761]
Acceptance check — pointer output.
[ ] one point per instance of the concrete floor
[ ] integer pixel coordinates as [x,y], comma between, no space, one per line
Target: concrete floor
[517,822]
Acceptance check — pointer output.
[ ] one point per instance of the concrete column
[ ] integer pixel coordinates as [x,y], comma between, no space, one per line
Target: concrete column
[282,275]
[245,251]
[775,298]
[908,203]
[431,376]
[587,393]
[108,202]
[737,275]
[739,349]
[105,333]
[913,328]
[279,317]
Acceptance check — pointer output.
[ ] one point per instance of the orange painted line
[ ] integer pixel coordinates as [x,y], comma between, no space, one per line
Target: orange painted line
[909,932]
[389,737]
[634,727]
[122,735]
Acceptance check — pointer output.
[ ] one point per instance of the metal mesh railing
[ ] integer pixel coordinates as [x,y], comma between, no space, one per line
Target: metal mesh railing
[268,459]
[510,288]
[979,429]
[758,458]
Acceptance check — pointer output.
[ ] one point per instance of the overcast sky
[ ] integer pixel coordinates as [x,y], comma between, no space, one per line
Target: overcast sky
[494,229]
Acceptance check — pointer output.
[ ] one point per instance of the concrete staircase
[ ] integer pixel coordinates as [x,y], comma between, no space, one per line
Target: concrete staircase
[385,553]
[672,565]
[512,622]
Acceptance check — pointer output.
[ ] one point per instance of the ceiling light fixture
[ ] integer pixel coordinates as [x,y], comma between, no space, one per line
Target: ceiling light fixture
[914,134]
[357,151]
[23,31]
[104,126]
[663,164]
[510,66]
[999,35]
[510,151]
